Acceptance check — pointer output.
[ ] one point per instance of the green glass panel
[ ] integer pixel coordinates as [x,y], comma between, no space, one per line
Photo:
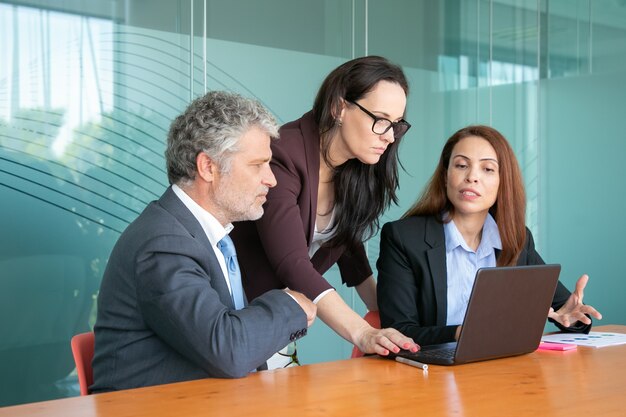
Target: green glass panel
[85,104]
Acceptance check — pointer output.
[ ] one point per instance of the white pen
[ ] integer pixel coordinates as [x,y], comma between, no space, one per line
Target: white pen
[412,363]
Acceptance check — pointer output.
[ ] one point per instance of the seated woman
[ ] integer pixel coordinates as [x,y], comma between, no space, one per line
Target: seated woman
[470,216]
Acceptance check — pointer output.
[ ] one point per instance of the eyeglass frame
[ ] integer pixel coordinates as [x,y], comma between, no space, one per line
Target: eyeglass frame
[292,356]
[392,125]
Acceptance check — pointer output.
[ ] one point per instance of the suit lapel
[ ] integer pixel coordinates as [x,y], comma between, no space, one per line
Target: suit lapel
[310,136]
[435,238]
[170,202]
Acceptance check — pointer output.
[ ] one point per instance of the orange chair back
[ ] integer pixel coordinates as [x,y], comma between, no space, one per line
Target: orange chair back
[82,349]
[373,318]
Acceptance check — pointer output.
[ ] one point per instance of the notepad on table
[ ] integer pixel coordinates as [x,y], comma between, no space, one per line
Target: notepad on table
[556,346]
[593,339]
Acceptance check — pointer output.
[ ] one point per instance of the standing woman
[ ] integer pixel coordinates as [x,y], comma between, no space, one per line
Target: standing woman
[471,215]
[336,169]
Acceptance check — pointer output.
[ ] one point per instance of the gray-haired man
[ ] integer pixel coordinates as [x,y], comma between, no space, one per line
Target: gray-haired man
[170,307]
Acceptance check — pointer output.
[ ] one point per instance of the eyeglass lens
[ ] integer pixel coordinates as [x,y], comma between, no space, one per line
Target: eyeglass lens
[381,126]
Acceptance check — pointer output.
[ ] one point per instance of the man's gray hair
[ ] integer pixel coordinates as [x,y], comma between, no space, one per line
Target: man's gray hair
[212,124]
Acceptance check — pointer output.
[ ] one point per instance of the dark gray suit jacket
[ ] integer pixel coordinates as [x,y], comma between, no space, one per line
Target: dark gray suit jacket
[413,284]
[165,313]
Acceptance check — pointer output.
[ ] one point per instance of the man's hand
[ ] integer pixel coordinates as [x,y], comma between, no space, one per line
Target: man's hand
[307,305]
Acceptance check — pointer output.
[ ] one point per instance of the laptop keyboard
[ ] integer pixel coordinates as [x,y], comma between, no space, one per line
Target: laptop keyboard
[445,353]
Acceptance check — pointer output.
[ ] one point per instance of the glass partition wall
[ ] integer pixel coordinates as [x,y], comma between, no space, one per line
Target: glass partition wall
[88,90]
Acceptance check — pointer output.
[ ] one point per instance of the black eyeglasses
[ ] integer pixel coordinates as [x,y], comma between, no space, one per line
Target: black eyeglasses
[292,354]
[382,125]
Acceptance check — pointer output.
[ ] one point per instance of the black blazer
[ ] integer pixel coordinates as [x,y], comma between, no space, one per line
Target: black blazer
[412,280]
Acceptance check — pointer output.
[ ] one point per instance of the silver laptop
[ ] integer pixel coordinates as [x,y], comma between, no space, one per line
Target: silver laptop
[505,316]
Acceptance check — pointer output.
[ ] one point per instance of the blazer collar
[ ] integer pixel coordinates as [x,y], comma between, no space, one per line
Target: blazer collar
[434,236]
[311,139]
[170,202]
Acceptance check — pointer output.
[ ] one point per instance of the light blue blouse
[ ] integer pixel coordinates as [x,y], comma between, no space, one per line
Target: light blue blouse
[462,263]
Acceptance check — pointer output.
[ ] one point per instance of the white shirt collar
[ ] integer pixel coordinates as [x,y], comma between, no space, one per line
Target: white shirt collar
[490,237]
[212,227]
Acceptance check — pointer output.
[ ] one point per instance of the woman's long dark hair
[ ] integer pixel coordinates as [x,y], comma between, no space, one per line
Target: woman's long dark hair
[362,191]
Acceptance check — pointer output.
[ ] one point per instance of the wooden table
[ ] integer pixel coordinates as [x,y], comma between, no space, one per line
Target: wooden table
[582,382]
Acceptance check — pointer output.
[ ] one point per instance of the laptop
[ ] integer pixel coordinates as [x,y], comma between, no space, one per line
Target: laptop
[505,316]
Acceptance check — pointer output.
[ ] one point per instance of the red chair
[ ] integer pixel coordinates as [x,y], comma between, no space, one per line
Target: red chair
[82,349]
[373,318]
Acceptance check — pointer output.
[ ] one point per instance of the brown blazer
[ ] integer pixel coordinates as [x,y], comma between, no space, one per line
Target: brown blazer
[273,251]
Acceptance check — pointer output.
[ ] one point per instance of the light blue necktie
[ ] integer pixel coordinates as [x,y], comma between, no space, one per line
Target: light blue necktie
[227,247]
